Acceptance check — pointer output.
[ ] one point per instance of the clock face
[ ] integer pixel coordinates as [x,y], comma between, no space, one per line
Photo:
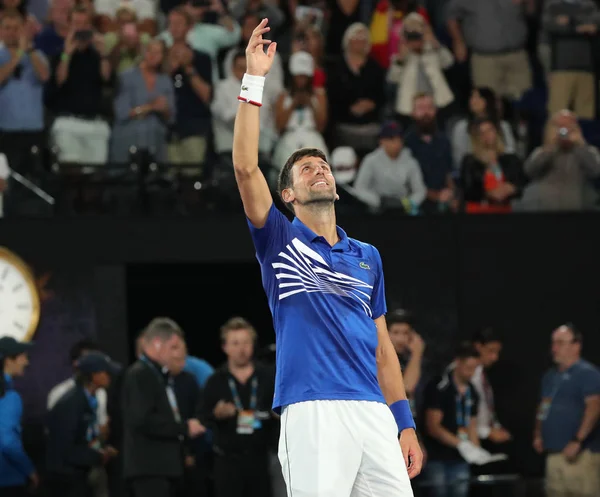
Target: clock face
[19,301]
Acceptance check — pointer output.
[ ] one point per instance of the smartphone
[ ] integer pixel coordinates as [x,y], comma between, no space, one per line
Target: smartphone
[83,36]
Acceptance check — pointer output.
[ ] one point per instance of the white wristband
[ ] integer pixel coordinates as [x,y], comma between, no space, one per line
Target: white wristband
[252,89]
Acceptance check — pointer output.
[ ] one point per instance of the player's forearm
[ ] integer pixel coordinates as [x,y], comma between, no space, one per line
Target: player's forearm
[246,133]
[389,375]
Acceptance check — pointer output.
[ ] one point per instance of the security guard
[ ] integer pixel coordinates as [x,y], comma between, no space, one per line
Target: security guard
[74,443]
[16,469]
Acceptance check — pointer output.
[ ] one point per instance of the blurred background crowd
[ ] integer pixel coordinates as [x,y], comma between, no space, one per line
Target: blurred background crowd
[423,106]
[172,425]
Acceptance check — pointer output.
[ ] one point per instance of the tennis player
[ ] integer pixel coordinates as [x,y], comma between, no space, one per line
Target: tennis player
[339,387]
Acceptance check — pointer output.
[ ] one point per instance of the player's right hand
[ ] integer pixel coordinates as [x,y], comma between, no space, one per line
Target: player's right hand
[258,62]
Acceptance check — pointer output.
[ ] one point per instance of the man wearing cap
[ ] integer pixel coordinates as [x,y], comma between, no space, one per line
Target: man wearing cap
[16,469]
[74,446]
[390,177]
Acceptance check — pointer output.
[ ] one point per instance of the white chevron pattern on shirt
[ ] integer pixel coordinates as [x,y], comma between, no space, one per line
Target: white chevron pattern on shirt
[310,273]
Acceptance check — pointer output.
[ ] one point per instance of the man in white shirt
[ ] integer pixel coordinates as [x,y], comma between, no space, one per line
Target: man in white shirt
[489,346]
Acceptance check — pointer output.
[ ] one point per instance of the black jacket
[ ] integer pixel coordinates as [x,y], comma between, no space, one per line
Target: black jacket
[67,449]
[473,172]
[152,438]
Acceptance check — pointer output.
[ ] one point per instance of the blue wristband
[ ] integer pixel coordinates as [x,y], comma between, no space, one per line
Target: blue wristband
[403,415]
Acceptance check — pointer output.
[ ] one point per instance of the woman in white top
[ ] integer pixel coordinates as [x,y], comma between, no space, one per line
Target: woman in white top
[483,104]
[300,112]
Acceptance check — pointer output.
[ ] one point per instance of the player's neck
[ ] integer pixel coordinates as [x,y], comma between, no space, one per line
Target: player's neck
[320,220]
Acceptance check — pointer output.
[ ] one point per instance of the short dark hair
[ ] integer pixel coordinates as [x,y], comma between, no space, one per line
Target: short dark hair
[80,347]
[162,328]
[466,351]
[285,175]
[486,335]
[399,316]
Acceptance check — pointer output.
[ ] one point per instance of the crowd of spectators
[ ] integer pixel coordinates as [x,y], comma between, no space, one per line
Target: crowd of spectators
[170,425]
[421,106]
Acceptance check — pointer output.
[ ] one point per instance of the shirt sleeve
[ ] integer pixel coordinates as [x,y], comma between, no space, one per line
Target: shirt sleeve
[272,236]
[590,382]
[378,304]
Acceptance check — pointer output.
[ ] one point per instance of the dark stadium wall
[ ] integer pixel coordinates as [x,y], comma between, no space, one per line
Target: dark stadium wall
[521,274]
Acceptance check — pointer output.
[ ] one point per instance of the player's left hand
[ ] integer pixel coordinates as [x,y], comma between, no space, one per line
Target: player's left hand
[411,450]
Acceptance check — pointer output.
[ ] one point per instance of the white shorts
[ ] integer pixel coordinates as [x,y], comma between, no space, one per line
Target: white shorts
[341,448]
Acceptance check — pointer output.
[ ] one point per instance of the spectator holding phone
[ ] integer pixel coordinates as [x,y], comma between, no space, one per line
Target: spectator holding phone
[562,170]
[124,45]
[80,133]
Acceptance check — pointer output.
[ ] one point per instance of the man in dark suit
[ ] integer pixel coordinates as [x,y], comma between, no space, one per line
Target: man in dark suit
[154,431]
[75,444]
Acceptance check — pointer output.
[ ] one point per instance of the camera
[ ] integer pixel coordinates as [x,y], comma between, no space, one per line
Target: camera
[413,35]
[83,36]
[563,132]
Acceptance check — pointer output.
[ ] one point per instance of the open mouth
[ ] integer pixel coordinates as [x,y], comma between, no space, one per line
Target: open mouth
[321,182]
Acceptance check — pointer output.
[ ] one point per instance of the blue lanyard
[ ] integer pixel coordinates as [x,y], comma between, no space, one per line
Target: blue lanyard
[463,414]
[236,397]
[93,430]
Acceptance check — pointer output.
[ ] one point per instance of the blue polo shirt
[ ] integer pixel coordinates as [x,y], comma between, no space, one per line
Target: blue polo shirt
[567,391]
[324,301]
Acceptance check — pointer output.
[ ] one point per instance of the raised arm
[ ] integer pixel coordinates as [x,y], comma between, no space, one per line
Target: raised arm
[252,184]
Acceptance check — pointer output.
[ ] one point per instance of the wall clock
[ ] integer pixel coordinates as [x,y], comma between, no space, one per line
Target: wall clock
[19,298]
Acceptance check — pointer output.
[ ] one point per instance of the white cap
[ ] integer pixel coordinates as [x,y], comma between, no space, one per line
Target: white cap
[302,64]
[4,168]
[343,164]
